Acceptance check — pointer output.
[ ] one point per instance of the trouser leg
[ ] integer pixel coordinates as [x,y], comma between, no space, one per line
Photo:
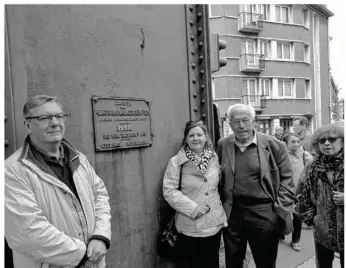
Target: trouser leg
[342,259]
[235,239]
[264,228]
[323,256]
[202,252]
[297,229]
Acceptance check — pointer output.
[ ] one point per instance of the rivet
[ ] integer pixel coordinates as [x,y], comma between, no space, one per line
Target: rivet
[204,116]
[200,58]
[195,110]
[202,86]
[193,65]
[191,8]
[191,22]
[192,37]
[203,101]
[194,80]
[199,15]
[194,95]
[5,118]
[199,30]
[193,52]
[7,143]
[200,44]
[201,71]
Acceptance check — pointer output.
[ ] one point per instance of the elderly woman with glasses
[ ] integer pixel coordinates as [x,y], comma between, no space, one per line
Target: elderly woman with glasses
[200,215]
[321,195]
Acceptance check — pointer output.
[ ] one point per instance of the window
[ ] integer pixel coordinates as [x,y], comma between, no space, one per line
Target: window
[307,53]
[266,87]
[305,16]
[248,47]
[265,49]
[284,51]
[285,88]
[250,89]
[307,89]
[264,10]
[265,126]
[282,14]
[286,124]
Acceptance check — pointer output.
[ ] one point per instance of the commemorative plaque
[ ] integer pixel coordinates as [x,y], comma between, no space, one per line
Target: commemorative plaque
[121,123]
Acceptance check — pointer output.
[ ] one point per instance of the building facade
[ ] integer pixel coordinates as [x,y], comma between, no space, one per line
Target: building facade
[277,61]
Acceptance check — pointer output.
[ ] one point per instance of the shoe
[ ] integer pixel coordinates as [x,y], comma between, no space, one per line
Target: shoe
[296,246]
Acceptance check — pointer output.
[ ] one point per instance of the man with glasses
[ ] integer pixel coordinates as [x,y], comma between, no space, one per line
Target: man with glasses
[300,127]
[257,190]
[56,208]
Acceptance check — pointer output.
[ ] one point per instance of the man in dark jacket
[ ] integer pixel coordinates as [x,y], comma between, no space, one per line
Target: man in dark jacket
[257,190]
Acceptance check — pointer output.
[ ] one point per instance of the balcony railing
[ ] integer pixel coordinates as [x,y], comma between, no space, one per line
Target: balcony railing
[252,63]
[250,22]
[256,101]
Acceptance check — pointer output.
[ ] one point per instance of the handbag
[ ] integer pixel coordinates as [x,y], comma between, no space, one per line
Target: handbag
[168,240]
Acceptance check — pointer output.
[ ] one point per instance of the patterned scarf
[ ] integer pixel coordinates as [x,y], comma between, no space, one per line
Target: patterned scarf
[334,163]
[202,161]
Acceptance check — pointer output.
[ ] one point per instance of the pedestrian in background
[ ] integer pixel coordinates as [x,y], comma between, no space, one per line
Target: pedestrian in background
[321,202]
[300,127]
[57,212]
[279,133]
[257,190]
[200,215]
[299,159]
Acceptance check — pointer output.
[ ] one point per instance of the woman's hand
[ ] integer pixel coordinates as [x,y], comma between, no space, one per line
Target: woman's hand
[203,210]
[338,198]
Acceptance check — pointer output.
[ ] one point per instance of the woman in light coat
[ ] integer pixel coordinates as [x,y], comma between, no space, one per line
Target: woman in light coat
[200,215]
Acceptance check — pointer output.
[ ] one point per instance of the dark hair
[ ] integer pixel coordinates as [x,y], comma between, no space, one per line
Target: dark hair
[302,120]
[287,136]
[192,124]
[37,101]
[327,129]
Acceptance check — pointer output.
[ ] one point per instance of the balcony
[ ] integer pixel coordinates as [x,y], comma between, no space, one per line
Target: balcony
[250,22]
[252,63]
[258,102]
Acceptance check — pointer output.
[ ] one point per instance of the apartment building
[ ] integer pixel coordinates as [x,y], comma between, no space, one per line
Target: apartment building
[277,61]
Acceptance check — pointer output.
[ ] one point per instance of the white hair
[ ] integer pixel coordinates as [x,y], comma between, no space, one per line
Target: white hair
[240,106]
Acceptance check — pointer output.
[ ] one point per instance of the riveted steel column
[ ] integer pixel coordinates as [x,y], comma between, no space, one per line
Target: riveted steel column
[199,65]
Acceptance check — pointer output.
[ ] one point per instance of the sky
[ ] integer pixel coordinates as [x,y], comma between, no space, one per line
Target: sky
[337,46]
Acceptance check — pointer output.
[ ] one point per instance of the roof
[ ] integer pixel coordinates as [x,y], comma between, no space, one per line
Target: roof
[322,10]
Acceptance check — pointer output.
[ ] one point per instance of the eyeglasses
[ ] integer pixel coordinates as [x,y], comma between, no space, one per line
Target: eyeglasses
[244,120]
[46,118]
[330,140]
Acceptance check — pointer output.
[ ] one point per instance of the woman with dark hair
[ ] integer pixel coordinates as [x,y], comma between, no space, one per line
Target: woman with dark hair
[321,197]
[200,215]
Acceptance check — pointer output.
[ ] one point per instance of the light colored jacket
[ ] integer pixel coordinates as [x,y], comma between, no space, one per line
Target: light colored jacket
[196,189]
[298,159]
[45,224]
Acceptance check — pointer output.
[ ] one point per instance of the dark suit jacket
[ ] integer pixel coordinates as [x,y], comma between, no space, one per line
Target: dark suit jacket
[276,175]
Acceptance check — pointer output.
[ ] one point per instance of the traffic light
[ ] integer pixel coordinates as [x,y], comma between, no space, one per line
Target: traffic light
[216,62]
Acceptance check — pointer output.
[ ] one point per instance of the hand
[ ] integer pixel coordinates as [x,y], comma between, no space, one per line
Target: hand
[203,210]
[338,198]
[96,249]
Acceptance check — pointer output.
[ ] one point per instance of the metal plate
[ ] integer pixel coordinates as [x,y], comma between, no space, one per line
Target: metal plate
[121,123]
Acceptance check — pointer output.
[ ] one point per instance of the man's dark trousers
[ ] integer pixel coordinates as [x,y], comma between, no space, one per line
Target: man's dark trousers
[260,226]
